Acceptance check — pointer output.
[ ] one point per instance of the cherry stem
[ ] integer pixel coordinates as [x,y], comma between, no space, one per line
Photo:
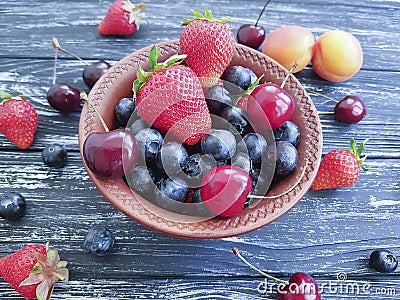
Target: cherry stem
[288,74]
[262,11]
[236,252]
[303,172]
[57,46]
[85,97]
[55,66]
[312,92]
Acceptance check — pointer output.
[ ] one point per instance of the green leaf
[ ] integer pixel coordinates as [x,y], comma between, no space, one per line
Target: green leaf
[187,21]
[37,269]
[224,19]
[5,95]
[154,54]
[197,14]
[208,14]
[136,86]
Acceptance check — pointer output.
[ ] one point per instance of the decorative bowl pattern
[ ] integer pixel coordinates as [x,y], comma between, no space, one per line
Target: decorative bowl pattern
[117,84]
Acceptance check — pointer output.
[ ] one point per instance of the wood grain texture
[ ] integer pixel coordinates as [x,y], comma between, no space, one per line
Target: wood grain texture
[326,233]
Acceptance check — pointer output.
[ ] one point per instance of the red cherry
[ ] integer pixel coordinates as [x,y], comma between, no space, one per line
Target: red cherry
[251,35]
[301,287]
[270,106]
[63,97]
[93,72]
[225,189]
[110,154]
[350,110]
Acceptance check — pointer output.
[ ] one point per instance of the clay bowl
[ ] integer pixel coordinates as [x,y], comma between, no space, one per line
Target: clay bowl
[117,84]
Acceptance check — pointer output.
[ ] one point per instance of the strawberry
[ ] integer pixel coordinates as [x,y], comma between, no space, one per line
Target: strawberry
[340,168]
[171,99]
[18,120]
[209,44]
[122,18]
[33,271]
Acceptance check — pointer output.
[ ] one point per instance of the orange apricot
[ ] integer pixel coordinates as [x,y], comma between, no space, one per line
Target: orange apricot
[337,56]
[288,45]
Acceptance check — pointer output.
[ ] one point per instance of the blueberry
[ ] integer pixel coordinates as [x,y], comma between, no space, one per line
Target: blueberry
[217,98]
[286,159]
[99,241]
[255,145]
[288,132]
[236,116]
[123,110]
[172,157]
[149,142]
[383,261]
[141,180]
[12,206]
[138,125]
[196,166]
[261,181]
[54,156]
[171,193]
[220,143]
[241,160]
[240,76]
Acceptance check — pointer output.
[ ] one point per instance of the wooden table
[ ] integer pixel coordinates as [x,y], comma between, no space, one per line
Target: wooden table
[328,234]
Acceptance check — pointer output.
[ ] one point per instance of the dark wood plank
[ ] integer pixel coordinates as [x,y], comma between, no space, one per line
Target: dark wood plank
[212,288]
[37,23]
[64,204]
[374,87]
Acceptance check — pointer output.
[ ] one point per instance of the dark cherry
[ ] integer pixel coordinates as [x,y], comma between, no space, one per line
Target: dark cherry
[270,106]
[350,110]
[225,189]
[93,72]
[301,287]
[252,35]
[111,154]
[64,97]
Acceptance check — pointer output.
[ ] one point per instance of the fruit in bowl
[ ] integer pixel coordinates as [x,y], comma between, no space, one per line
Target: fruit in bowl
[117,84]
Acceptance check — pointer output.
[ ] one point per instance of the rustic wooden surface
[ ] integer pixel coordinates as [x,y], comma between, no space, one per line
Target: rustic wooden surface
[326,234]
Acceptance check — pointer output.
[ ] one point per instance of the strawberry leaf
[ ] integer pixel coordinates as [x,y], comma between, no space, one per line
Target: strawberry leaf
[154,54]
[198,14]
[224,19]
[208,14]
[5,95]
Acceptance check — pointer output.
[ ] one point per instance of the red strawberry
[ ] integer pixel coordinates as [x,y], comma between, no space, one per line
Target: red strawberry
[122,18]
[209,44]
[33,271]
[171,99]
[340,168]
[18,120]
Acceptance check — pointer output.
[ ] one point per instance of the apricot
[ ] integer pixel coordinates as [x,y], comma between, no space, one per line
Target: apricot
[337,56]
[290,44]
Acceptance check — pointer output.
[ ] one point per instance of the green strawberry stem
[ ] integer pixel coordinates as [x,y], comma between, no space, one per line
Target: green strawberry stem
[357,151]
[303,172]
[261,13]
[85,97]
[249,90]
[315,93]
[154,54]
[6,97]
[57,46]
[288,74]
[237,253]
[208,16]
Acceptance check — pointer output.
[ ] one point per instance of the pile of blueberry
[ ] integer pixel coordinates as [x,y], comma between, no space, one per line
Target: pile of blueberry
[169,173]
